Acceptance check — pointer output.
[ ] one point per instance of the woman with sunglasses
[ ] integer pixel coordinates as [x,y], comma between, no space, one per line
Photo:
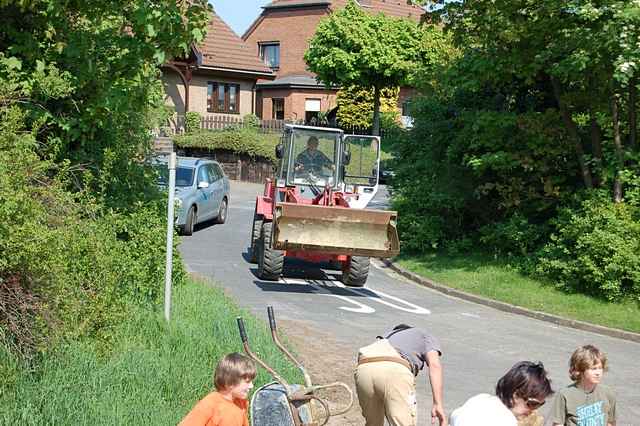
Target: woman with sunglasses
[523,389]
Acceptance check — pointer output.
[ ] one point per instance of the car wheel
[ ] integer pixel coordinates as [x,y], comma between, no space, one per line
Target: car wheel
[222,213]
[356,271]
[190,221]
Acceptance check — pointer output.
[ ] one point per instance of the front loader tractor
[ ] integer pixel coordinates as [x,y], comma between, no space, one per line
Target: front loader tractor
[315,207]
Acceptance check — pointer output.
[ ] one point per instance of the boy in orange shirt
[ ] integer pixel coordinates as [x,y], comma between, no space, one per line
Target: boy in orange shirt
[228,405]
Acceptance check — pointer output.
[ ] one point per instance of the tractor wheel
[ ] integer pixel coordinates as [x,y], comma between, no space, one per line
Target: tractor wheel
[270,261]
[356,271]
[255,238]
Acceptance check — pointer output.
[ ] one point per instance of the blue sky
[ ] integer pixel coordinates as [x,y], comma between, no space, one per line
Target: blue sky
[238,14]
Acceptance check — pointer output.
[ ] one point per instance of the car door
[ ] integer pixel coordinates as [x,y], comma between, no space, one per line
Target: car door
[204,197]
[217,186]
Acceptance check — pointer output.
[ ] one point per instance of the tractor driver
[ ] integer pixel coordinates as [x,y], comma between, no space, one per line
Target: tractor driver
[311,160]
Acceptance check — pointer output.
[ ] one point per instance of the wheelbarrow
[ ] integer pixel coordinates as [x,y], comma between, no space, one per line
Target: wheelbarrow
[282,404]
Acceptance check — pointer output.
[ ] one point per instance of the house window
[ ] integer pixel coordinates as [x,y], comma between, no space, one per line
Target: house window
[270,54]
[311,111]
[277,108]
[223,97]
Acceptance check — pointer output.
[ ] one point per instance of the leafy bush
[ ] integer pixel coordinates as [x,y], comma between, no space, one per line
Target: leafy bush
[241,141]
[595,248]
[515,236]
[467,168]
[69,267]
[192,121]
[251,120]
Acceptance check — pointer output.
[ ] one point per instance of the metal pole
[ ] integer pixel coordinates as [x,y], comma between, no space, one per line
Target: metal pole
[170,221]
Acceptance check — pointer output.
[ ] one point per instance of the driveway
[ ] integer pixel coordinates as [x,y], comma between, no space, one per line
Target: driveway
[328,322]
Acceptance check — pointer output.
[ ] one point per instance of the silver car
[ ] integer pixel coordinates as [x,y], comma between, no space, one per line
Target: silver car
[202,191]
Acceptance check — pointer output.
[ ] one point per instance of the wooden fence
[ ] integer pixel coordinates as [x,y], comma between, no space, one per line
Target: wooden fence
[236,166]
[176,125]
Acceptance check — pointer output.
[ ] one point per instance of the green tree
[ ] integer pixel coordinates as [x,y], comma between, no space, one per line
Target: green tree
[351,47]
[108,53]
[585,51]
[81,232]
[355,105]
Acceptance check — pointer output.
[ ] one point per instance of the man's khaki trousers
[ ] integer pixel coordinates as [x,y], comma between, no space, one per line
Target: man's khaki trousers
[385,388]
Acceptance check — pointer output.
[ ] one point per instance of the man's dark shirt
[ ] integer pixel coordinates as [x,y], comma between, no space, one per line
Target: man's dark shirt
[313,161]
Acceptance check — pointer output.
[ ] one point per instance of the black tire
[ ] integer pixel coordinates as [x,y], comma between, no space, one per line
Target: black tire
[255,238]
[356,271]
[270,261]
[222,213]
[190,222]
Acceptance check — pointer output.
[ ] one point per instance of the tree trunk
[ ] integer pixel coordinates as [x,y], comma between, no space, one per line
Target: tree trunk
[617,143]
[572,128]
[375,131]
[596,146]
[633,122]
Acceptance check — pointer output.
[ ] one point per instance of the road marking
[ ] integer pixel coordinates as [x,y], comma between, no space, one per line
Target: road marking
[465,314]
[413,309]
[361,308]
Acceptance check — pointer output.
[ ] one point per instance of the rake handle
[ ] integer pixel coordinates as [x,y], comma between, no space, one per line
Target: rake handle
[243,332]
[272,318]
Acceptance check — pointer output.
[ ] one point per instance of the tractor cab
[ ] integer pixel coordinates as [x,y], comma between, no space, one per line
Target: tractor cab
[316,158]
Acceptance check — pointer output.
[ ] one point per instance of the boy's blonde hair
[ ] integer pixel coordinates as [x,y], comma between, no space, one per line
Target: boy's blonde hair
[584,358]
[232,369]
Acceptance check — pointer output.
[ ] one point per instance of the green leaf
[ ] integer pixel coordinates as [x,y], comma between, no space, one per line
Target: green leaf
[12,63]
[159,56]
[151,31]
[197,34]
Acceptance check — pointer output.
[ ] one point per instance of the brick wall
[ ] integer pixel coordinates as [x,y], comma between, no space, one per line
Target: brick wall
[293,29]
[294,101]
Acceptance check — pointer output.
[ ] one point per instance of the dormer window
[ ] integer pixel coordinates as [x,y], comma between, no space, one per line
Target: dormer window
[270,54]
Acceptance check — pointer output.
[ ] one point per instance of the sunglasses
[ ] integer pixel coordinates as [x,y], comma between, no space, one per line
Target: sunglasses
[533,403]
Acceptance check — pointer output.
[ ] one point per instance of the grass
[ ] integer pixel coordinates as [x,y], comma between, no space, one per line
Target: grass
[497,280]
[154,374]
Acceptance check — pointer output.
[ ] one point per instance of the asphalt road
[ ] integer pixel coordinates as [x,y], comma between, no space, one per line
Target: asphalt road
[479,343]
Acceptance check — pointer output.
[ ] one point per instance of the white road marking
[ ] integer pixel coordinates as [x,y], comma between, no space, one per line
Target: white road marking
[465,314]
[413,309]
[361,308]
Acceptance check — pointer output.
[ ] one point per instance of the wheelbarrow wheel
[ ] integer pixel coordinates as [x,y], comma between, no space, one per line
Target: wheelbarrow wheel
[270,261]
[356,271]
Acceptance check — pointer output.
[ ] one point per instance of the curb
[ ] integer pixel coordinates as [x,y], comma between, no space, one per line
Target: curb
[506,307]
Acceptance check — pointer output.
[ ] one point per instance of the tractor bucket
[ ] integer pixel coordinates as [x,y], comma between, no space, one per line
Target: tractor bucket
[335,230]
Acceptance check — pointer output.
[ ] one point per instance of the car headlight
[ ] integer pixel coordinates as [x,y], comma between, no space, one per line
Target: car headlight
[177,203]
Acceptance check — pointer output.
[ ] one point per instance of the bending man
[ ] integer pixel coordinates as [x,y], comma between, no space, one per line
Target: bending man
[386,372]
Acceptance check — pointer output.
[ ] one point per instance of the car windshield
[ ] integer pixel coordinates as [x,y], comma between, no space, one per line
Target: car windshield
[184,175]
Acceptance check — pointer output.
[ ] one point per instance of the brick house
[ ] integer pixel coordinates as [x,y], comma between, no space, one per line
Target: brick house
[219,76]
[280,37]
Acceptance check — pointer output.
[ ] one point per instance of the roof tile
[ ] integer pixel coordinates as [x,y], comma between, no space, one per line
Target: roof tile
[393,8]
[223,48]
